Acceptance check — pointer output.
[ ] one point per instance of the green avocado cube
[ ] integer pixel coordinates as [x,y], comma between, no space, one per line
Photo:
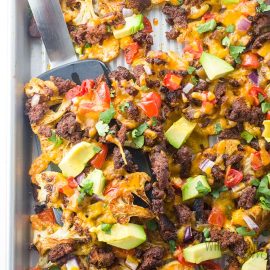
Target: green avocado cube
[179,132]
[257,261]
[214,67]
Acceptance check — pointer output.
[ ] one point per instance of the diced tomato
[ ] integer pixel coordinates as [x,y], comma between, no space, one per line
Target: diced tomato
[195,48]
[130,52]
[233,177]
[172,81]
[181,259]
[209,265]
[103,95]
[254,92]
[147,25]
[256,161]
[72,182]
[67,190]
[208,16]
[74,92]
[87,85]
[250,60]
[268,115]
[100,157]
[216,217]
[151,104]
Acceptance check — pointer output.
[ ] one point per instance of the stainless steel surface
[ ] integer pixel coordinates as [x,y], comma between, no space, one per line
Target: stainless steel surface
[53,30]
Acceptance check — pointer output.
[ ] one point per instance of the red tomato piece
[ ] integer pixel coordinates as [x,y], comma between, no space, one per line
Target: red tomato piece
[254,91]
[100,157]
[208,16]
[72,183]
[103,95]
[172,81]
[268,115]
[256,162]
[130,52]
[151,104]
[111,189]
[233,177]
[250,60]
[196,49]
[74,92]
[87,85]
[147,25]
[216,217]
[209,265]
[67,190]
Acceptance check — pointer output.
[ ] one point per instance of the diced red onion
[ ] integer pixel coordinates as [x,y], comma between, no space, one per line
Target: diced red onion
[253,76]
[131,263]
[187,87]
[188,234]
[243,24]
[127,12]
[80,178]
[147,69]
[206,164]
[35,100]
[251,224]
[72,265]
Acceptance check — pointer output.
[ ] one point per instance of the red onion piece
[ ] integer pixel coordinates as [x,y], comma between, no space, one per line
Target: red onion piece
[127,12]
[147,69]
[188,234]
[206,164]
[251,224]
[187,87]
[253,76]
[80,178]
[243,24]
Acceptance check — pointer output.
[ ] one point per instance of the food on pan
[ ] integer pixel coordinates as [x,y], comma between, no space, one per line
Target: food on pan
[203,120]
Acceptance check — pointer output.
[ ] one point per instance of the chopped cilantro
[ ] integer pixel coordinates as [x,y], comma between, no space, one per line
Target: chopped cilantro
[102,128]
[248,137]
[194,80]
[151,225]
[96,149]
[265,203]
[261,97]
[263,7]
[124,106]
[265,107]
[85,189]
[263,188]
[172,245]
[144,88]
[180,2]
[230,28]
[202,189]
[87,45]
[265,233]
[107,116]
[218,128]
[105,227]
[55,139]
[139,130]
[206,234]
[206,27]
[235,52]
[216,192]
[190,70]
[255,182]
[226,42]
[138,141]
[243,231]
[154,121]
[54,267]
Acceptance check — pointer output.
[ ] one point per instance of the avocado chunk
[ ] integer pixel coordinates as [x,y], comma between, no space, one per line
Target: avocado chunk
[179,132]
[195,187]
[214,67]
[97,178]
[257,261]
[76,158]
[125,236]
[202,252]
[133,24]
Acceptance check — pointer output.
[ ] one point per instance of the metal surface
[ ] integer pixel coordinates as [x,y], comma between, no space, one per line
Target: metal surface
[53,30]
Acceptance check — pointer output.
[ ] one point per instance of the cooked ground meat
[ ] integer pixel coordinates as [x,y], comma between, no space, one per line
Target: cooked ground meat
[143,39]
[184,158]
[230,133]
[157,202]
[121,134]
[201,214]
[239,111]
[172,34]
[167,229]
[218,174]
[119,162]
[45,131]
[60,251]
[132,111]
[78,33]
[37,112]
[256,116]
[255,144]
[140,5]
[261,23]
[172,98]
[260,40]
[232,264]
[96,34]
[62,85]
[175,15]
[230,240]
[233,160]
[121,74]
[138,71]
[201,86]
[32,29]
[247,198]
[152,83]
[183,214]
[155,61]
[234,83]
[101,257]
[68,128]
[132,91]
[193,2]
[220,91]
[152,258]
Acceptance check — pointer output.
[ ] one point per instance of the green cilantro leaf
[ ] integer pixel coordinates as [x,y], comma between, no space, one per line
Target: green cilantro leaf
[226,42]
[85,189]
[265,233]
[107,116]
[87,45]
[216,192]
[235,52]
[248,137]
[124,106]
[55,139]
[180,2]
[206,234]
[263,7]
[230,28]
[263,188]
[261,97]
[243,231]
[255,182]
[218,128]
[96,149]
[102,128]
[154,121]
[151,225]
[172,245]
[138,142]
[265,107]
[265,203]
[105,227]
[139,130]
[202,189]
[190,70]
[54,267]
[194,80]
[144,88]
[206,27]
